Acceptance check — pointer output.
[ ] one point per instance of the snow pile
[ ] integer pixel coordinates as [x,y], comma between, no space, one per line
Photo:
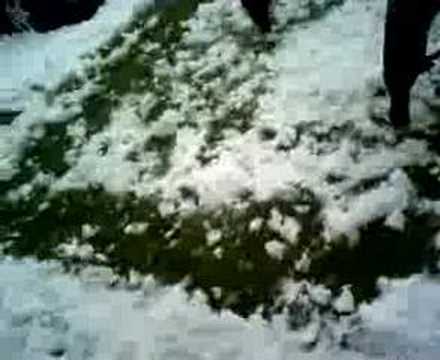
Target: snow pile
[45,315]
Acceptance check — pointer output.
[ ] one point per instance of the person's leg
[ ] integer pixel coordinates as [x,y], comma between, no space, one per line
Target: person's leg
[259,11]
[399,113]
[404,54]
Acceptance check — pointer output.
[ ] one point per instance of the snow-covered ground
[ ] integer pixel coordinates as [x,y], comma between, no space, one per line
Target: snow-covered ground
[39,59]
[45,315]
[233,123]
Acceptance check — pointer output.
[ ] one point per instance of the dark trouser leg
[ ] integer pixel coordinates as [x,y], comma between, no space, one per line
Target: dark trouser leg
[399,107]
[259,12]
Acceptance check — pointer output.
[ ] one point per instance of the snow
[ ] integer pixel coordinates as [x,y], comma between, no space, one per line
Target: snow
[213,236]
[286,226]
[31,58]
[319,89]
[345,303]
[316,107]
[275,249]
[407,317]
[256,224]
[136,228]
[43,312]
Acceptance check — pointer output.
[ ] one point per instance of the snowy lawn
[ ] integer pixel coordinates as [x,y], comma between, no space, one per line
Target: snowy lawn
[189,147]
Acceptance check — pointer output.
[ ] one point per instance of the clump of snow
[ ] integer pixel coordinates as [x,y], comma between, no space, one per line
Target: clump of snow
[320,295]
[213,236]
[347,215]
[73,248]
[396,220]
[88,231]
[256,224]
[286,226]
[303,264]
[136,228]
[275,249]
[218,252]
[345,303]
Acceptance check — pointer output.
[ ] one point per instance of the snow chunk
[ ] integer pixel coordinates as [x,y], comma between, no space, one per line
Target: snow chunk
[256,224]
[396,220]
[74,249]
[136,228]
[345,303]
[88,231]
[288,227]
[320,295]
[213,236]
[275,249]
[303,264]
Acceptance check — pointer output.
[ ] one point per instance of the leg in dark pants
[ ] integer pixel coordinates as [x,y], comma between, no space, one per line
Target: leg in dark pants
[399,107]
[404,54]
[259,11]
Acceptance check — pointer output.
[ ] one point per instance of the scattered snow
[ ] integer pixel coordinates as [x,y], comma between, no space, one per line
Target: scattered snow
[73,248]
